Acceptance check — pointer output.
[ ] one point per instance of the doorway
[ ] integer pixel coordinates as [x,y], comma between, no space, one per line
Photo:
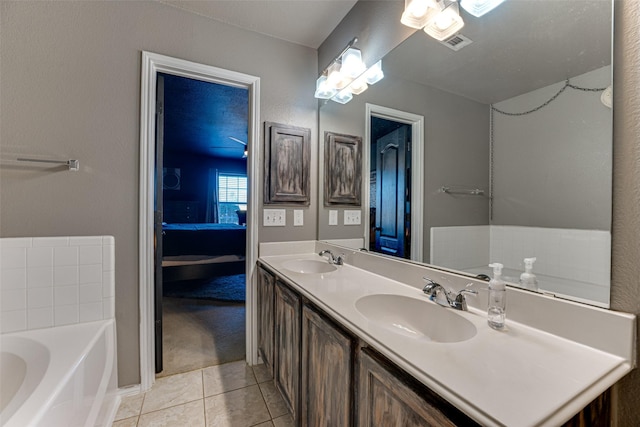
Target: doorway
[393,156]
[152,66]
[201,200]
[390,188]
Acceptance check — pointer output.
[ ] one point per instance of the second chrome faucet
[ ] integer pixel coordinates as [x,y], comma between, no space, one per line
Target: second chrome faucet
[437,293]
[339,260]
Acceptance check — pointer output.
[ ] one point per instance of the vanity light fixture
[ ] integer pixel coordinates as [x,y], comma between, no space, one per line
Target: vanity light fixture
[347,75]
[439,18]
[478,8]
[445,23]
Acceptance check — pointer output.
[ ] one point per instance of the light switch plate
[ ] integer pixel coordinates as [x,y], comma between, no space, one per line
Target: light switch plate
[274,218]
[298,217]
[333,217]
[352,217]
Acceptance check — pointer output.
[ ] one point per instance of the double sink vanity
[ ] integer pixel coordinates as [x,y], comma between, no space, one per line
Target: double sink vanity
[361,344]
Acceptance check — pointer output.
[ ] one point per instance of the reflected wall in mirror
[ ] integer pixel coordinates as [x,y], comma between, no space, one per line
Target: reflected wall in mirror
[518,115]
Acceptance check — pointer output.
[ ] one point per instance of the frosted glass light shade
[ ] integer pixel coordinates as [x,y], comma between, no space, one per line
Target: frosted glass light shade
[359,85]
[446,23]
[343,96]
[352,65]
[478,8]
[418,12]
[323,89]
[335,78]
[374,74]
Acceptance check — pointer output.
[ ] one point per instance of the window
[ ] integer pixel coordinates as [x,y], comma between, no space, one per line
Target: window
[232,196]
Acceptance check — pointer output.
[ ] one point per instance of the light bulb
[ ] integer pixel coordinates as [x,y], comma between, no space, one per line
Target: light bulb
[323,89]
[343,96]
[446,23]
[374,74]
[352,65]
[478,8]
[359,85]
[418,8]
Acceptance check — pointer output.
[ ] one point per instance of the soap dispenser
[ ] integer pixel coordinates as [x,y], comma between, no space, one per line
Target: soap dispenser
[528,279]
[497,298]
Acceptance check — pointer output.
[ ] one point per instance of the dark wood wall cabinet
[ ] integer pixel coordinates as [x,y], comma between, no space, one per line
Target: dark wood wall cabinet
[329,377]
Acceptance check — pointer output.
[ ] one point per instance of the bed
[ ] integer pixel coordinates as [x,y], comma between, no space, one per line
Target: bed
[196,251]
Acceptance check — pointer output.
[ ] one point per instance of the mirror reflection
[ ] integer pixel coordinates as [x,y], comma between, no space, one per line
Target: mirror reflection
[514,150]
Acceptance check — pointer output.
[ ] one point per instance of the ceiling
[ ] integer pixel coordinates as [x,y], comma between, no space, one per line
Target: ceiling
[204,118]
[304,22]
[521,46]
[209,119]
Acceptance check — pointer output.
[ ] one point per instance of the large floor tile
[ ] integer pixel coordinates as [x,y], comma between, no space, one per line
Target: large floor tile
[227,377]
[262,373]
[274,400]
[127,422]
[173,390]
[189,414]
[239,408]
[284,421]
[130,406]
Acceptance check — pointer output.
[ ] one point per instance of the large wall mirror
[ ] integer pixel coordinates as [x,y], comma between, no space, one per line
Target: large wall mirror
[515,150]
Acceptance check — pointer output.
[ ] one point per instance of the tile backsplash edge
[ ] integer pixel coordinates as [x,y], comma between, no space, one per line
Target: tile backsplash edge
[54,281]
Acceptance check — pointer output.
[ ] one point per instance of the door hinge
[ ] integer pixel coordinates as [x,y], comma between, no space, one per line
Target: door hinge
[159,107]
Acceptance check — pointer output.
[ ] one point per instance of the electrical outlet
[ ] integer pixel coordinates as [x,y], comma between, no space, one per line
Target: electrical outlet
[333,217]
[298,217]
[352,217]
[274,218]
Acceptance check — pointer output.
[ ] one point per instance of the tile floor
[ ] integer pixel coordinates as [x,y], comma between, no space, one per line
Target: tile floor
[229,395]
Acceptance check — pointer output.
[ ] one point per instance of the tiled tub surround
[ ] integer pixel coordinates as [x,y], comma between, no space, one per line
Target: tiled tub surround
[58,331]
[569,262]
[539,372]
[55,281]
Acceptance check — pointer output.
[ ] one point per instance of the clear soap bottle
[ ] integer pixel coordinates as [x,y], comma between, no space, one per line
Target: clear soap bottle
[497,298]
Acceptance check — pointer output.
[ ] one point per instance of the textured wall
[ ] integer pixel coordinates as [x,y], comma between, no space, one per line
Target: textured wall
[71,87]
[552,168]
[625,286]
[446,144]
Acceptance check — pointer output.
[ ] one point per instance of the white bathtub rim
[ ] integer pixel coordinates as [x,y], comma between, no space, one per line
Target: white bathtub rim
[78,340]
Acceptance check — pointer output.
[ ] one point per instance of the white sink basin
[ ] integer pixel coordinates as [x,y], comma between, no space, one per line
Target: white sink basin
[415,318]
[309,266]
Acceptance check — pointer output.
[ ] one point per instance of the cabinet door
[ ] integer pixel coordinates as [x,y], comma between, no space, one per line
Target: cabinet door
[386,401]
[265,317]
[287,346]
[327,373]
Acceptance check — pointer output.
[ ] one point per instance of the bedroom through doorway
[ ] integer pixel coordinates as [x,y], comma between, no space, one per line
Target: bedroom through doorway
[201,163]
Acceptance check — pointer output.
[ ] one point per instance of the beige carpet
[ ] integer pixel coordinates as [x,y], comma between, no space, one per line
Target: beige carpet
[201,333]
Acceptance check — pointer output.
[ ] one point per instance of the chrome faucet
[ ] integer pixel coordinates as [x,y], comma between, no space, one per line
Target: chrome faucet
[339,260]
[456,301]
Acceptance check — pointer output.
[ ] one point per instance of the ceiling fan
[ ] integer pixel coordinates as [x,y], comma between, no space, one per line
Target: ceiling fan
[239,141]
[246,153]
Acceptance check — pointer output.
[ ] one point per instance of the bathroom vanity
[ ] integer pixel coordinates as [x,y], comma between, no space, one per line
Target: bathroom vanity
[347,346]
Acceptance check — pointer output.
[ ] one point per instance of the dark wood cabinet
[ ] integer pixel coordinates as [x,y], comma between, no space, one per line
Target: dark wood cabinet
[265,295]
[385,399]
[327,377]
[327,372]
[287,347]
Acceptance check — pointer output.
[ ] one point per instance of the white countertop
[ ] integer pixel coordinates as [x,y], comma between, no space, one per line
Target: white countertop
[517,377]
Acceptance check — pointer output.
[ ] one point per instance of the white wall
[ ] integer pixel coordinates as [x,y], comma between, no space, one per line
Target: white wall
[552,168]
[70,87]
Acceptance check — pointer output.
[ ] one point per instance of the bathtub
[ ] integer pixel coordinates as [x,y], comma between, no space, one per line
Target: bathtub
[64,376]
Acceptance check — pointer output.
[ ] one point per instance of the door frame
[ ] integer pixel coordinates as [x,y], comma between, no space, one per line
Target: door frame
[417,172]
[153,63]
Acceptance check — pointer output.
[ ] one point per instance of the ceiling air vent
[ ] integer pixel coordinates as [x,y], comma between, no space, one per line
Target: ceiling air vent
[457,42]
